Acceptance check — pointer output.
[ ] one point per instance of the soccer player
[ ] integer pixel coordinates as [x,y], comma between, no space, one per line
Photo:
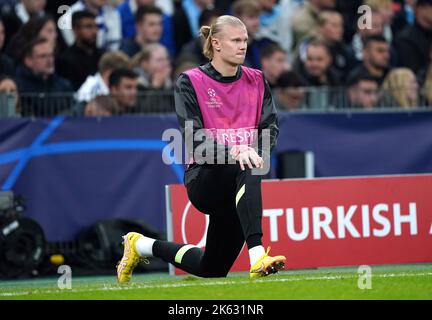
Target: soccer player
[230,102]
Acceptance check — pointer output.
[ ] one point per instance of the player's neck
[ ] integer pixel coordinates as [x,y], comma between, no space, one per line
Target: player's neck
[226,70]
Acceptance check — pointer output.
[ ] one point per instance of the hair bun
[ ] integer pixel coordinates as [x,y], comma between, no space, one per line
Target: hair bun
[205,31]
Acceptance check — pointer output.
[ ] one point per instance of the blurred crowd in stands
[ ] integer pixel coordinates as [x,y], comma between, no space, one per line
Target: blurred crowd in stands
[106,57]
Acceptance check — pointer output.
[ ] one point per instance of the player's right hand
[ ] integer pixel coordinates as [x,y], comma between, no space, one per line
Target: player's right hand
[251,158]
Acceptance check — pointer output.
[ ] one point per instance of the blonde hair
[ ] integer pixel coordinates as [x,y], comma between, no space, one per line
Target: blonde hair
[208,32]
[394,87]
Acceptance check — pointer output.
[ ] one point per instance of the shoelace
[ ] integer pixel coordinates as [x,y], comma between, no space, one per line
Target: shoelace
[135,262]
[268,250]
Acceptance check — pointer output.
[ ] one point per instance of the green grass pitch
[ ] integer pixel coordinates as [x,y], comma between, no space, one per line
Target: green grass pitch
[387,282]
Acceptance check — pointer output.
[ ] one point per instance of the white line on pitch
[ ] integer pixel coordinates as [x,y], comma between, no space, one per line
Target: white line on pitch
[212,283]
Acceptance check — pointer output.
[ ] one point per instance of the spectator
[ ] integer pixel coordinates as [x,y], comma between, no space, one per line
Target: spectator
[385,9]
[128,10]
[10,103]
[20,14]
[107,19]
[362,92]
[274,61]
[123,86]
[400,89]
[37,76]
[39,27]
[315,67]
[84,50]
[275,22]
[154,70]
[98,84]
[149,30]
[330,30]
[289,92]
[414,42]
[377,29]
[153,67]
[305,19]
[376,58]
[6,64]
[249,12]
[192,52]
[316,70]
[101,106]
[186,20]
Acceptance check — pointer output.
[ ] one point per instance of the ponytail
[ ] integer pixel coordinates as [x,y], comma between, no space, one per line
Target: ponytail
[208,47]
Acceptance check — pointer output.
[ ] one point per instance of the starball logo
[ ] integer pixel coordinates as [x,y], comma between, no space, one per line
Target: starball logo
[211,93]
[214,101]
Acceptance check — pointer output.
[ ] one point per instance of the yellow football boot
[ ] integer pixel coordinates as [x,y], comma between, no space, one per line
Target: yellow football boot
[130,258]
[267,265]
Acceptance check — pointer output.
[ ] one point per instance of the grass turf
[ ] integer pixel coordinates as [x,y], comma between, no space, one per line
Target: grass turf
[388,282]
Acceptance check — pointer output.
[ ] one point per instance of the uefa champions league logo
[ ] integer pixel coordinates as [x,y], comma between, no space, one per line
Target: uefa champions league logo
[214,100]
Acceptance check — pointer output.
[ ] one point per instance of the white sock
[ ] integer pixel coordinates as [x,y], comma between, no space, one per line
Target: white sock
[255,253]
[144,246]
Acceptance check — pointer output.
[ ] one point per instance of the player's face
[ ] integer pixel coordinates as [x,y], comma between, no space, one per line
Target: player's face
[232,43]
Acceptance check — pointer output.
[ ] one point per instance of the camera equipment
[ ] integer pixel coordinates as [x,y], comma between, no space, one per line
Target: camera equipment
[22,241]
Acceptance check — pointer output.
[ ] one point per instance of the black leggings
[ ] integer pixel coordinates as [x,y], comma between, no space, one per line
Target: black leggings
[232,199]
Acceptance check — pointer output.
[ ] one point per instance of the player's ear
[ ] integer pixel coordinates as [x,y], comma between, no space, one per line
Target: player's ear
[216,44]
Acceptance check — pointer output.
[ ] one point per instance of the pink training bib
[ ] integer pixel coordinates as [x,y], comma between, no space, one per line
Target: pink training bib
[231,111]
